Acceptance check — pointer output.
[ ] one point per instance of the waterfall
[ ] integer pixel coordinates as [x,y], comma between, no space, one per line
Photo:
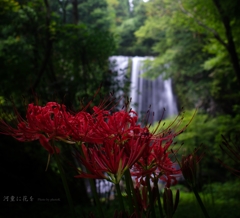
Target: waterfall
[119,65]
[145,92]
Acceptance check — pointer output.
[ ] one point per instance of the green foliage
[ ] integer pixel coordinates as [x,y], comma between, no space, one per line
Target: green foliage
[216,207]
[8,5]
[192,40]
[53,57]
[93,13]
[86,67]
[222,191]
[127,21]
[204,133]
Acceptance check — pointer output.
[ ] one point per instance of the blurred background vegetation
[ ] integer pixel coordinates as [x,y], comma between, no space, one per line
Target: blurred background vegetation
[60,51]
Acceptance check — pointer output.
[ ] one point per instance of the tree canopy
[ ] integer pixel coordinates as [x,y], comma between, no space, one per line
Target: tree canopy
[196,43]
[44,49]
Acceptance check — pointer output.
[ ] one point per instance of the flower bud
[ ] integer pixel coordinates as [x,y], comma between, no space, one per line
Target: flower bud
[169,206]
[189,167]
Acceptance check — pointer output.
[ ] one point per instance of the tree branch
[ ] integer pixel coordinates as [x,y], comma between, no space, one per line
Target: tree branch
[48,50]
[231,48]
[213,31]
[230,45]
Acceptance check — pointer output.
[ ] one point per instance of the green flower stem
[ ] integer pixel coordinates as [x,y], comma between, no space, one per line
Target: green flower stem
[93,187]
[65,185]
[128,190]
[95,195]
[150,197]
[120,198]
[200,202]
[158,198]
[128,175]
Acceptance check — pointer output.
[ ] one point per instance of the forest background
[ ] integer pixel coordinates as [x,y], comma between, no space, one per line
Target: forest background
[60,51]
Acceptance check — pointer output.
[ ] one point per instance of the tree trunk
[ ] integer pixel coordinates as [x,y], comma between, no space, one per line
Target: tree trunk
[231,48]
[75,11]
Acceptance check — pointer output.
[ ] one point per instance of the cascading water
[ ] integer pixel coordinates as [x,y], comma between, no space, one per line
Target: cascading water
[145,92]
[119,65]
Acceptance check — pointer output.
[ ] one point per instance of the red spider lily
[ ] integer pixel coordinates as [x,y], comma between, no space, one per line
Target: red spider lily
[189,167]
[156,163]
[50,119]
[42,123]
[86,158]
[142,197]
[96,127]
[110,160]
[167,170]
[120,125]
[83,127]
[45,143]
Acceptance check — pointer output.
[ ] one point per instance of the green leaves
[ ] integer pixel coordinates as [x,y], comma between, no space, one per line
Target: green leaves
[194,44]
[39,43]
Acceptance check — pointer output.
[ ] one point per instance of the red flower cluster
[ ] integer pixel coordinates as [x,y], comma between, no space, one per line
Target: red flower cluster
[42,123]
[120,143]
[156,163]
[110,142]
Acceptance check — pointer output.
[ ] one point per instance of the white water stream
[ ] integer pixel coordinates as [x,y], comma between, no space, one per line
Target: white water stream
[145,92]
